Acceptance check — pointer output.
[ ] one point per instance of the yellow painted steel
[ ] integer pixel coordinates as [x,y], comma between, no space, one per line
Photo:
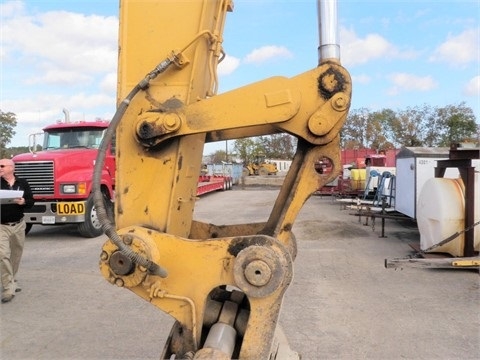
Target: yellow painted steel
[466,263]
[159,151]
[149,32]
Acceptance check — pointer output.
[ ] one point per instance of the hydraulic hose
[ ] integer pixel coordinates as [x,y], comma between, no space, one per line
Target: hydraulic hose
[98,197]
[107,226]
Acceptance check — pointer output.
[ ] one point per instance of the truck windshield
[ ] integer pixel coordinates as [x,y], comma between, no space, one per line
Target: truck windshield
[73,138]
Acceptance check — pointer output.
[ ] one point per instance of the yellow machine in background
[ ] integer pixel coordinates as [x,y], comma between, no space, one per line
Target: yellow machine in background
[224,285]
[260,167]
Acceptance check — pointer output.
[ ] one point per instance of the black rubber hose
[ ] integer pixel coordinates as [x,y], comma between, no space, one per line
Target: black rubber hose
[98,198]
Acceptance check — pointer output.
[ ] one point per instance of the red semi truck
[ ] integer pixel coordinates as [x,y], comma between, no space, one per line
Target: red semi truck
[61,175]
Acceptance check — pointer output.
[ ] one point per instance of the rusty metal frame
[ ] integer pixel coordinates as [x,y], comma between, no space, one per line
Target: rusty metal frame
[462,159]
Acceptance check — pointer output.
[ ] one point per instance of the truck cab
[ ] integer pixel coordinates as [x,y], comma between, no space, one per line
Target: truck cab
[61,174]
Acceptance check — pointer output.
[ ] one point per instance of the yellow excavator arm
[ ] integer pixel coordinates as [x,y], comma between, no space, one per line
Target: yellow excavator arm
[224,285]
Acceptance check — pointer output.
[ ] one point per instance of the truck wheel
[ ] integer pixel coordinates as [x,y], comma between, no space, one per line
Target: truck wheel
[263,171]
[28,227]
[91,227]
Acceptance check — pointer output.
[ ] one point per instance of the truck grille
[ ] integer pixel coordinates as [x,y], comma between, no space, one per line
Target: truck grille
[39,175]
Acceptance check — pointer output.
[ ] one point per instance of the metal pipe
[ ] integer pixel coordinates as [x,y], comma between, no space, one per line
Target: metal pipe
[67,115]
[329,47]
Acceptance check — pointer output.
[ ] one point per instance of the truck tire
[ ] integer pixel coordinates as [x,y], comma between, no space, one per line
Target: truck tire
[263,171]
[28,227]
[91,227]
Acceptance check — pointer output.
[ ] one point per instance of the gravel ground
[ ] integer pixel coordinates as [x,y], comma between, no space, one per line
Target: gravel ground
[342,303]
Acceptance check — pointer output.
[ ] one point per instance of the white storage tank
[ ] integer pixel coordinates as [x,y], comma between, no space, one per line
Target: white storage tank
[441,213]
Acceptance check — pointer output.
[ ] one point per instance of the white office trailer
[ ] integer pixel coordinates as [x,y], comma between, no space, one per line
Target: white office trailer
[415,165]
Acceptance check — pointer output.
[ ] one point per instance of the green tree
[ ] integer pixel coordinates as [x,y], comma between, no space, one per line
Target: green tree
[458,124]
[414,126]
[248,148]
[219,156]
[366,129]
[433,127]
[275,146]
[278,146]
[379,129]
[12,151]
[354,131]
[8,121]
[408,127]
[382,130]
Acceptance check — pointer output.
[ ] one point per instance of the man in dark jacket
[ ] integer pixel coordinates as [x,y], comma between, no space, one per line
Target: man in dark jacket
[12,228]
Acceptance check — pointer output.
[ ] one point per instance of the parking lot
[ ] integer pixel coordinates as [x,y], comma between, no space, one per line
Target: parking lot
[342,303]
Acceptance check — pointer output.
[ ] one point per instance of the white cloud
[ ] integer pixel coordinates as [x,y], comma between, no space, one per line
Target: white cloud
[53,103]
[473,87]
[65,50]
[228,65]
[257,56]
[11,8]
[266,53]
[109,83]
[59,77]
[61,41]
[356,50]
[90,101]
[408,82]
[460,49]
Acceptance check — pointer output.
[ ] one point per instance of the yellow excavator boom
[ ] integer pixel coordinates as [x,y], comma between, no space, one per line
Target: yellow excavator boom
[224,285]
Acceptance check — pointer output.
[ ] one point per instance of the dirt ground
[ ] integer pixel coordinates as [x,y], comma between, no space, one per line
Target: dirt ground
[342,303]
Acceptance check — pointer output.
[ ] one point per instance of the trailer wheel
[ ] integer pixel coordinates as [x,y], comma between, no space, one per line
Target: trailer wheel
[91,227]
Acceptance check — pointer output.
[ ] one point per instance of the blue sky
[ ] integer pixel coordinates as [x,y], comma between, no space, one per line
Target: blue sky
[59,54]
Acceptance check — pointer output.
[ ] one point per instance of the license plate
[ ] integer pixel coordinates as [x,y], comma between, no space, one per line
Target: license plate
[48,219]
[71,208]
